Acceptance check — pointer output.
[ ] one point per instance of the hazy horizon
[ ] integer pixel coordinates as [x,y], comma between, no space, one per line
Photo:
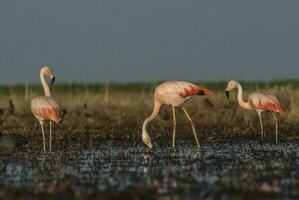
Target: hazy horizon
[143,41]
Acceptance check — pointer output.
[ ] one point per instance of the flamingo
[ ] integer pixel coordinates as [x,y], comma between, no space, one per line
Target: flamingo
[45,107]
[173,93]
[259,102]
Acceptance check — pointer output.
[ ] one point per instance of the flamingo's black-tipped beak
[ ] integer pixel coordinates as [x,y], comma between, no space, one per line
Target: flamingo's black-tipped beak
[53,80]
[150,146]
[227,93]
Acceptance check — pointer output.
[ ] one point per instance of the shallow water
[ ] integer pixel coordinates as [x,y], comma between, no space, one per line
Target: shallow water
[223,169]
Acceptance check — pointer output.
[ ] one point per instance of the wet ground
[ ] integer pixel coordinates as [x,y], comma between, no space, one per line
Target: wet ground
[111,170]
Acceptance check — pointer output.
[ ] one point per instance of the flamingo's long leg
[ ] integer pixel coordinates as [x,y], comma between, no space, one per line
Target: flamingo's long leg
[43,133]
[276,126]
[50,141]
[192,126]
[261,122]
[174,127]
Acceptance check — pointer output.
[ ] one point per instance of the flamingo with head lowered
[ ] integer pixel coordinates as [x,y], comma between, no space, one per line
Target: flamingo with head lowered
[173,93]
[45,107]
[258,101]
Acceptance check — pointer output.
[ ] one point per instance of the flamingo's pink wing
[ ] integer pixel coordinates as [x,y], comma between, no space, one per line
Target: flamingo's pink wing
[191,89]
[266,102]
[46,108]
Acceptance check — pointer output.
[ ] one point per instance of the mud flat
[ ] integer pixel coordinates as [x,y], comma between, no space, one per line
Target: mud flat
[112,169]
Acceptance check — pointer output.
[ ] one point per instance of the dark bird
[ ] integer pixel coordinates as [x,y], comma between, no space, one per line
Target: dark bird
[11,107]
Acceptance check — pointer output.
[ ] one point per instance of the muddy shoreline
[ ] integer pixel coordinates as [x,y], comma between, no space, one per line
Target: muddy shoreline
[111,169]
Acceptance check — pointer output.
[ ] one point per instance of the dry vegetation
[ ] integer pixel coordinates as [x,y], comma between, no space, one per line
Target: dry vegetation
[119,115]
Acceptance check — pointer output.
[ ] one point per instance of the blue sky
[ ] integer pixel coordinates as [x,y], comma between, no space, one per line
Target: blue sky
[128,41]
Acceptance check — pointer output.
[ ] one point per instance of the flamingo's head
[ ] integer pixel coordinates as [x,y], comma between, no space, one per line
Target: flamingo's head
[47,71]
[146,139]
[230,86]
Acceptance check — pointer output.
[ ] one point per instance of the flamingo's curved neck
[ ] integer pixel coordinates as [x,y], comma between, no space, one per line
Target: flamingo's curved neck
[242,104]
[154,114]
[45,85]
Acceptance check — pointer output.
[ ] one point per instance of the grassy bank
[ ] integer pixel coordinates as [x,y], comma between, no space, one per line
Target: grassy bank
[117,111]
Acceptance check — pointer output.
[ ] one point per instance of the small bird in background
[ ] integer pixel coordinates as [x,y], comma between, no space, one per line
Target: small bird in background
[259,102]
[11,107]
[46,107]
[173,93]
[63,113]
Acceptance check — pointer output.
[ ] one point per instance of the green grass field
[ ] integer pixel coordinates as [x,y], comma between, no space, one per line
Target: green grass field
[78,88]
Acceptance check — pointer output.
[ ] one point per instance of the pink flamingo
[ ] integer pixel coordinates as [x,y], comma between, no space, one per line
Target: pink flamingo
[258,101]
[173,93]
[45,107]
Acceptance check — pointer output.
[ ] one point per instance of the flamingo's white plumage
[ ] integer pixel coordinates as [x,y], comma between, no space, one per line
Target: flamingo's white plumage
[45,107]
[258,101]
[173,93]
